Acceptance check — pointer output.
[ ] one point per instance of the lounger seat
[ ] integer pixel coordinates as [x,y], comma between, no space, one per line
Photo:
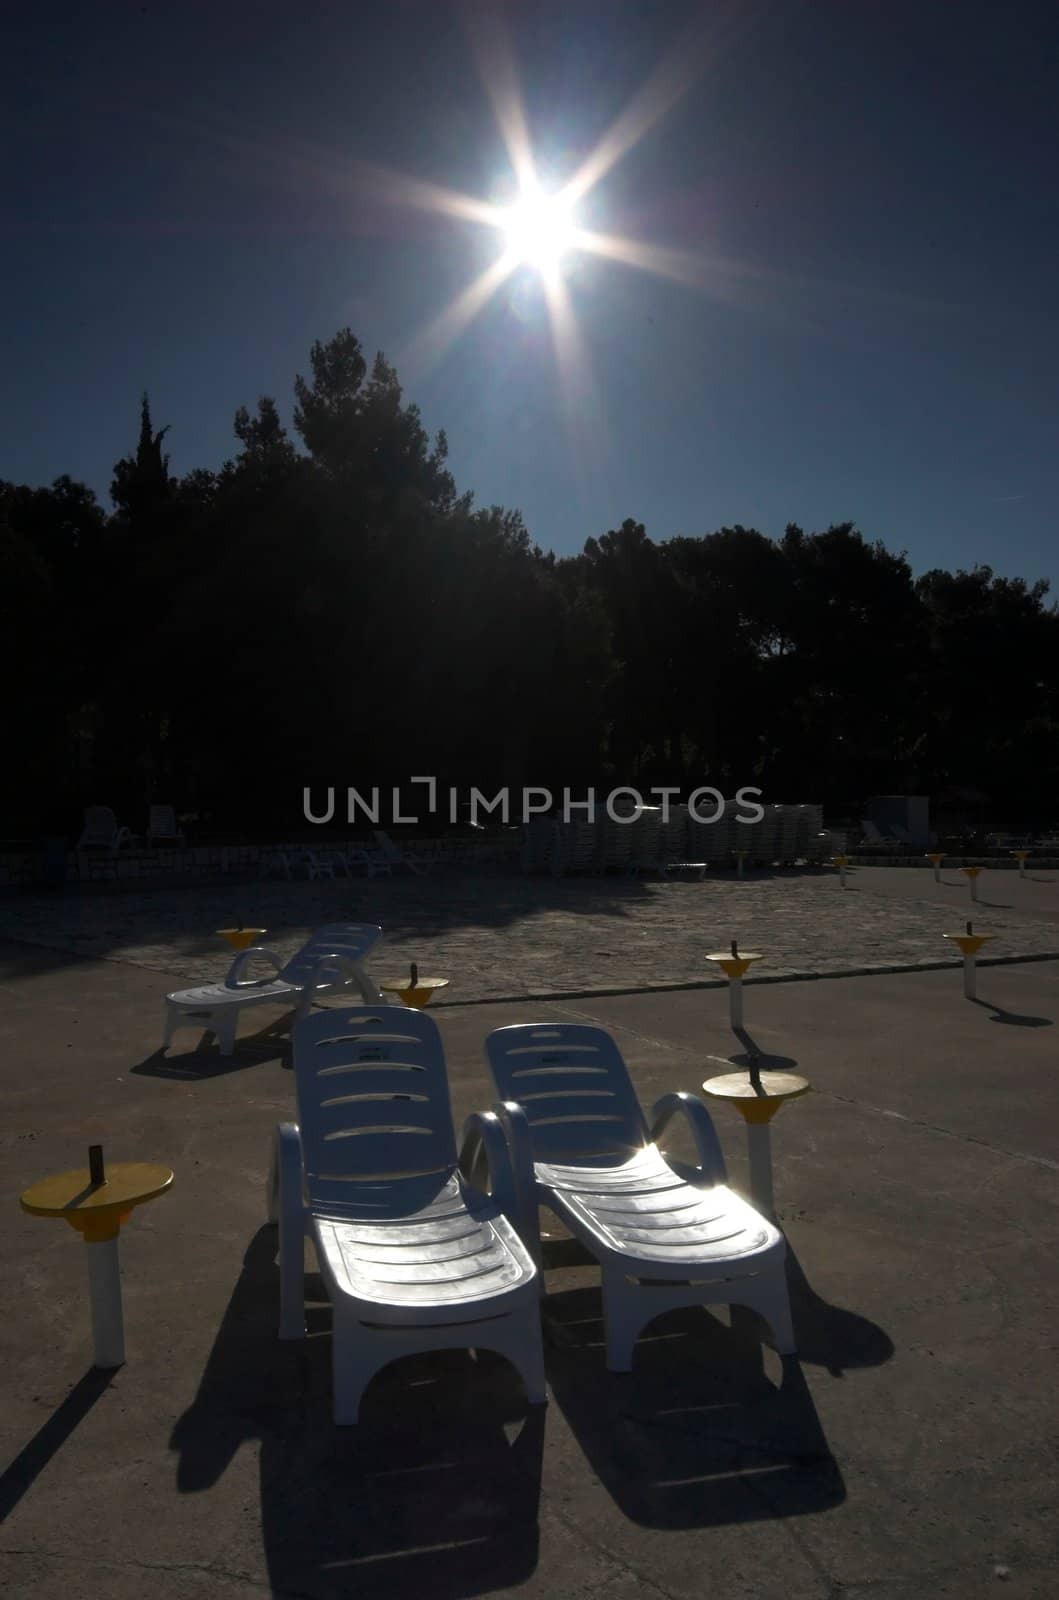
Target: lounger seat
[649,1217]
[452,1254]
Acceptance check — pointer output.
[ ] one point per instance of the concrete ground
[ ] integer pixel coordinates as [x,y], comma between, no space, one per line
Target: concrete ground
[908,1452]
[998,890]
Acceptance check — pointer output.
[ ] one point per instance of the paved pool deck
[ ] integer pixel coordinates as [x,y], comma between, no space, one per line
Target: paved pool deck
[908,1452]
[500,937]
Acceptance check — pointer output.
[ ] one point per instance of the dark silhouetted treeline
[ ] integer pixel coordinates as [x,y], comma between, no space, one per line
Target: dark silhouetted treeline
[335,611]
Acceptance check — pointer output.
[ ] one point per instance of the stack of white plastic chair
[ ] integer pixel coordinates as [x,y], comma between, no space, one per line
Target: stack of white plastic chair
[645,839]
[764,838]
[786,833]
[613,842]
[700,840]
[746,837]
[575,845]
[541,845]
[810,826]
[728,834]
[673,835]
[709,841]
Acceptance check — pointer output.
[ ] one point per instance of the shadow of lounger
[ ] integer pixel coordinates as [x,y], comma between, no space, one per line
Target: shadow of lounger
[436,1490]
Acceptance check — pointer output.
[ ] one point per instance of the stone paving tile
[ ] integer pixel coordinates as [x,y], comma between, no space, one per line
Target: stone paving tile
[510,936]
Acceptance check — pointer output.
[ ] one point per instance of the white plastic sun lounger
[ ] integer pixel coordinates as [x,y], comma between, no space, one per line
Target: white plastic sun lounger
[328,963]
[664,1234]
[412,1256]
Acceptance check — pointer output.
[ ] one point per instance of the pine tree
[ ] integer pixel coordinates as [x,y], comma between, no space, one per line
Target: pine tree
[142,482]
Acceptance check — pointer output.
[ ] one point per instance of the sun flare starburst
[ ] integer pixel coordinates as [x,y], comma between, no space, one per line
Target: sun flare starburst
[539,228]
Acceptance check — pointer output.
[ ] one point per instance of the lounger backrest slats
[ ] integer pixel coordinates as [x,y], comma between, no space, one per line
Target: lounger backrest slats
[574,1087]
[373,1103]
[350,939]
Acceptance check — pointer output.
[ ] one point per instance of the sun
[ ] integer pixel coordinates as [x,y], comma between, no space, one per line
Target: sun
[539,229]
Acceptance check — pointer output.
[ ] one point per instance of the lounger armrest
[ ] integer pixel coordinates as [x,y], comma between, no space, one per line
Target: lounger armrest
[520,1142]
[485,1155]
[290,1164]
[333,961]
[235,971]
[516,1127]
[711,1156]
[285,1172]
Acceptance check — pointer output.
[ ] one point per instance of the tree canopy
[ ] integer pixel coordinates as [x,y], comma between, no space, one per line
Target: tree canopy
[330,609]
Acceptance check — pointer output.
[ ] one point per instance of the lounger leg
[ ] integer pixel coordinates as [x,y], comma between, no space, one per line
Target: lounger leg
[224,1025]
[355,1359]
[770,1298]
[530,1362]
[519,1340]
[622,1320]
[172,1023]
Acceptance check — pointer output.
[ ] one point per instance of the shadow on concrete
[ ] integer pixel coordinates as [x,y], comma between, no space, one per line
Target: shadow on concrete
[830,1336]
[48,930]
[753,1055]
[20,960]
[1013,1019]
[82,926]
[252,1050]
[697,1435]
[35,1456]
[561,1249]
[436,1491]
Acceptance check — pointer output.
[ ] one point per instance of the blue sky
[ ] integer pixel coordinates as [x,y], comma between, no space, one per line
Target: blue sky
[869,188]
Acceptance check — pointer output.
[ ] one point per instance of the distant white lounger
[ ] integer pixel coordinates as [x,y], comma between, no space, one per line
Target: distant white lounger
[328,963]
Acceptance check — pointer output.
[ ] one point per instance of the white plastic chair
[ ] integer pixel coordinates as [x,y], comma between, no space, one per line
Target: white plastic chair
[394,855]
[329,962]
[413,1258]
[101,831]
[318,865]
[371,862]
[162,826]
[665,1234]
